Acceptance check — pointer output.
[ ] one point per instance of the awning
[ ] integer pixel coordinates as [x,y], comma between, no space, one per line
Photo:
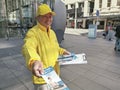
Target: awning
[113,17]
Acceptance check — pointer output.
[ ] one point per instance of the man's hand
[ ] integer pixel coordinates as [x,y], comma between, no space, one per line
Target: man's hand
[66,52]
[37,68]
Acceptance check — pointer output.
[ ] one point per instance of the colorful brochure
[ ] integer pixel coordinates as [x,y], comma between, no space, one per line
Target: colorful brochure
[53,80]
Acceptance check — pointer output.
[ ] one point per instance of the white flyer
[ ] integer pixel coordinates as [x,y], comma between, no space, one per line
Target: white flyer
[76,59]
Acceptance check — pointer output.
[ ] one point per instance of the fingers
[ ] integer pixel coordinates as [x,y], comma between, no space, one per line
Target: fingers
[42,69]
[37,68]
[36,72]
[66,53]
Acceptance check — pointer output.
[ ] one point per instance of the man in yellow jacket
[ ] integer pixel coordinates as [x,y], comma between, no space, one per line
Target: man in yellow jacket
[41,48]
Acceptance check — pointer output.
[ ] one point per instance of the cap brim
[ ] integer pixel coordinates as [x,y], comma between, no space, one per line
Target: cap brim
[53,13]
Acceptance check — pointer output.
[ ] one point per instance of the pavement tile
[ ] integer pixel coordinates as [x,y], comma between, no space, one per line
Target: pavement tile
[72,86]
[108,83]
[68,75]
[87,84]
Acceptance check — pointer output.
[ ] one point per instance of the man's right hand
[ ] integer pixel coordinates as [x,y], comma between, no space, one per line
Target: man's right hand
[37,68]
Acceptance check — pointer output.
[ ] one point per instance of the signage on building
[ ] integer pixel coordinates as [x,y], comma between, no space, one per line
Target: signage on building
[97,13]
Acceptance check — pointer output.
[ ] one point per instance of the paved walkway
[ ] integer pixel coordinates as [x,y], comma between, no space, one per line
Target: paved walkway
[101,73]
[10,47]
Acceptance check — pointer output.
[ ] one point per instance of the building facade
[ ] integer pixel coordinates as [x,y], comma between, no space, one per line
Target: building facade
[78,11]
[109,12]
[81,13]
[17,13]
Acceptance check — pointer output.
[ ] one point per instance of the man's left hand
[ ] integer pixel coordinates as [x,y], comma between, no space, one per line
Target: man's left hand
[66,52]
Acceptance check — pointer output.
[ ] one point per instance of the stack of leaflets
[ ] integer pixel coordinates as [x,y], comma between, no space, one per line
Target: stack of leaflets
[72,59]
[66,57]
[53,80]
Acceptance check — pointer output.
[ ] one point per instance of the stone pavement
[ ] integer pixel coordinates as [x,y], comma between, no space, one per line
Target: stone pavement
[10,47]
[101,73]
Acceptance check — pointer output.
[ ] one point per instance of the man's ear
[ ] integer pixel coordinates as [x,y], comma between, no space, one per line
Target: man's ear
[37,18]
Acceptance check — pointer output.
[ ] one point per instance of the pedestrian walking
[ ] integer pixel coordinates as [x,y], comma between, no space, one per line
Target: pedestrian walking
[110,32]
[105,32]
[41,48]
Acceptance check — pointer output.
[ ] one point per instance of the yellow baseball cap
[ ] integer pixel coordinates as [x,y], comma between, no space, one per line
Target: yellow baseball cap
[44,9]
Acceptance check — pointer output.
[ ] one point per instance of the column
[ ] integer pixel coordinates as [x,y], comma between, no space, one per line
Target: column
[34,8]
[20,12]
[84,23]
[75,20]
[69,6]
[6,15]
[104,5]
[114,5]
[105,23]
[96,5]
[86,8]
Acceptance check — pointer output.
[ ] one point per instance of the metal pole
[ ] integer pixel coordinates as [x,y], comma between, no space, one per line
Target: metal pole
[6,21]
[75,21]
[20,12]
[6,13]
[34,9]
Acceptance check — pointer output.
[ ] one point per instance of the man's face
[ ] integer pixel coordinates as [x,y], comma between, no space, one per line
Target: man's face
[45,20]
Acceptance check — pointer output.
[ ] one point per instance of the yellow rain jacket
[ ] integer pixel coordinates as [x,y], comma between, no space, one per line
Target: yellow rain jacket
[41,44]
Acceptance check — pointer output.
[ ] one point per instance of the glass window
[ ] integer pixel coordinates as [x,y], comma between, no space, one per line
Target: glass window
[109,3]
[17,4]
[9,5]
[14,4]
[66,6]
[72,6]
[81,5]
[24,2]
[0,5]
[100,4]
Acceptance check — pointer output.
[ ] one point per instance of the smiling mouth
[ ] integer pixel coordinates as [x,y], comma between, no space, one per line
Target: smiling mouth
[48,23]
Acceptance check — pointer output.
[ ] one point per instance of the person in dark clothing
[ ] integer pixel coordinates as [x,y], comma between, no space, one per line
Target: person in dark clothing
[105,32]
[117,35]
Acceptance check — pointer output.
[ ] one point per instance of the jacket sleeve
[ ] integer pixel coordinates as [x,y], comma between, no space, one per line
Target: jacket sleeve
[61,50]
[29,49]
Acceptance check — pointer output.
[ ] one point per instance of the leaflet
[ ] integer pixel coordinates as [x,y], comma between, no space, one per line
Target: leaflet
[66,57]
[76,59]
[53,80]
